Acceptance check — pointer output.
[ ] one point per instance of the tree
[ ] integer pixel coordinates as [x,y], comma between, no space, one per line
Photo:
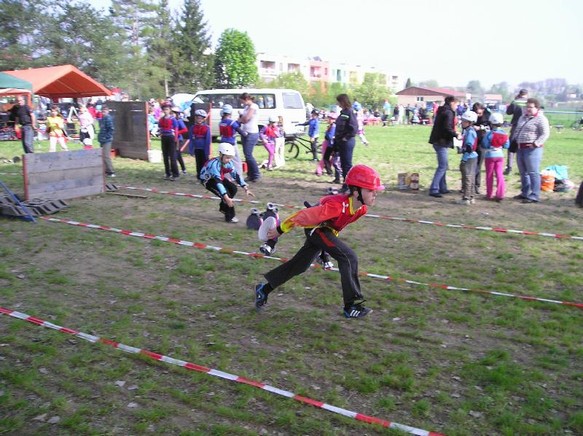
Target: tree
[137,18]
[192,67]
[429,84]
[161,50]
[235,60]
[18,38]
[408,83]
[475,88]
[372,92]
[502,89]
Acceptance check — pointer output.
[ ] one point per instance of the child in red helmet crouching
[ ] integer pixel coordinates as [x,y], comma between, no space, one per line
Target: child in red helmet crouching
[322,224]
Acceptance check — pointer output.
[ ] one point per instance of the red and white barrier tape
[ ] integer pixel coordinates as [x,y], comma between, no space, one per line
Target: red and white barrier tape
[216,373]
[384,217]
[259,255]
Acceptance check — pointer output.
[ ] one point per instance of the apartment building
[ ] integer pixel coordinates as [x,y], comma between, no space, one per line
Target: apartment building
[315,69]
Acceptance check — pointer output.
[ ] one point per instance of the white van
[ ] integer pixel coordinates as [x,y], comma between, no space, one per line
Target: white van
[286,103]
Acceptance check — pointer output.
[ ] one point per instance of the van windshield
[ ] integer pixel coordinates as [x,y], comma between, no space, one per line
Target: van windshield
[292,100]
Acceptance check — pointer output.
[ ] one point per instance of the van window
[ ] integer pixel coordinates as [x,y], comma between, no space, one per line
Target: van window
[292,100]
[218,100]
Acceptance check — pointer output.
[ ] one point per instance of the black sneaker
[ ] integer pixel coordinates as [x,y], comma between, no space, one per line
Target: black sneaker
[356,311]
[260,296]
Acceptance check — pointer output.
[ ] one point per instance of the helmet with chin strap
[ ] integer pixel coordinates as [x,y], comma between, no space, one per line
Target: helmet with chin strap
[363,176]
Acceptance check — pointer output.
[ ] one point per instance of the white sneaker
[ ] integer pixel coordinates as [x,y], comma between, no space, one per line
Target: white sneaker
[267,250]
[463,202]
[234,220]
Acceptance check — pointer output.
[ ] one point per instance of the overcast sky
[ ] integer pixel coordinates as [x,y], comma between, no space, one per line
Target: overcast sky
[451,41]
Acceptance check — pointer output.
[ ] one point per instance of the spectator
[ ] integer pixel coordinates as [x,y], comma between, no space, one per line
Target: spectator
[86,131]
[532,130]
[346,129]
[469,157]
[105,138]
[168,126]
[56,130]
[249,122]
[482,126]
[23,115]
[515,108]
[494,143]
[442,136]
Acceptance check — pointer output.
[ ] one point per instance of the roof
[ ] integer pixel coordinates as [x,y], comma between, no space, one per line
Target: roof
[418,90]
[63,81]
[9,81]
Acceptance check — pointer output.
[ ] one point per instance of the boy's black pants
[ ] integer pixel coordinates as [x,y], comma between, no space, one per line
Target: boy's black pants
[316,241]
[231,188]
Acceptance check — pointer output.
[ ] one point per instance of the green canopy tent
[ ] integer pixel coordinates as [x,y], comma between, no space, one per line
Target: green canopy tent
[9,81]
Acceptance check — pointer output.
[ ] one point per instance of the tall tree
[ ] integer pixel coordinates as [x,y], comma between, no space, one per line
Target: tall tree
[235,60]
[501,88]
[192,66]
[372,91]
[137,19]
[19,32]
[160,50]
[475,88]
[408,84]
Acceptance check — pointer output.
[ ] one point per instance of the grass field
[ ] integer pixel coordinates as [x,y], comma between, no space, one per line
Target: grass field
[454,362]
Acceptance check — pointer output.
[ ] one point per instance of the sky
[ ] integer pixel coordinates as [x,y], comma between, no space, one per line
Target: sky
[450,41]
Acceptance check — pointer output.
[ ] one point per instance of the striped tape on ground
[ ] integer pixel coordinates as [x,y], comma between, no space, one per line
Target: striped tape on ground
[384,217]
[217,373]
[200,245]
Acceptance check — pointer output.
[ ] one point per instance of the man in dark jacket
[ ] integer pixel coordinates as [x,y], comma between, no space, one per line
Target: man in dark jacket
[23,115]
[105,138]
[442,136]
[515,109]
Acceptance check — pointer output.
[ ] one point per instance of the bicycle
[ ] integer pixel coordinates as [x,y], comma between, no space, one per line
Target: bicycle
[294,143]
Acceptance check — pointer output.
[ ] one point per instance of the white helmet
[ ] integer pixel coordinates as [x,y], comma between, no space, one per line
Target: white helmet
[200,113]
[226,109]
[226,149]
[273,119]
[470,116]
[497,118]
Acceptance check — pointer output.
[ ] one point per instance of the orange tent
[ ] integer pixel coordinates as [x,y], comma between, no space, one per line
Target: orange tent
[63,81]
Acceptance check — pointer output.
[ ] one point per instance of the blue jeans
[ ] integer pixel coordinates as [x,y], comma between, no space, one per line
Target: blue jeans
[27,137]
[528,161]
[249,142]
[439,183]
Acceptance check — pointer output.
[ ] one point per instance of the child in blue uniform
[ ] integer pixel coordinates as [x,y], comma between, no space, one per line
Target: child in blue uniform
[469,160]
[200,140]
[218,175]
[313,132]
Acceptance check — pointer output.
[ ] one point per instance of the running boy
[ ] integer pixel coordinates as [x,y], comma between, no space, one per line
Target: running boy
[494,142]
[218,175]
[200,140]
[313,132]
[322,224]
[469,160]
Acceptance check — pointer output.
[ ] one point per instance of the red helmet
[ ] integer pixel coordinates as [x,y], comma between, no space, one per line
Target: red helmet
[365,177]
